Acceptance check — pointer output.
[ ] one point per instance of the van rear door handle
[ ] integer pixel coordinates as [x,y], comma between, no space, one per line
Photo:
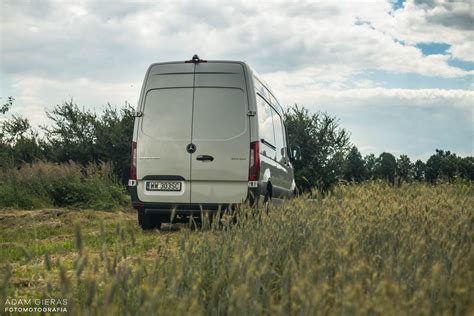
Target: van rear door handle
[205,158]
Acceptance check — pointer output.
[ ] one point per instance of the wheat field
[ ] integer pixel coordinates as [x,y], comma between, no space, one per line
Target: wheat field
[368,249]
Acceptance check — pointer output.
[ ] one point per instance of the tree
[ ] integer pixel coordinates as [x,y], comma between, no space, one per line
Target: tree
[15,129]
[466,167]
[84,136]
[405,168]
[370,162]
[7,106]
[113,131]
[72,134]
[443,165]
[419,170]
[354,166]
[323,147]
[19,142]
[386,167]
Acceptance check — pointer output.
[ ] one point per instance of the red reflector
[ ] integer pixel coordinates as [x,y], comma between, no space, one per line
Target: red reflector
[133,162]
[138,204]
[254,165]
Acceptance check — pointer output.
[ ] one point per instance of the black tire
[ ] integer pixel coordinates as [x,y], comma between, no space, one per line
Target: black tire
[252,198]
[267,199]
[296,192]
[148,221]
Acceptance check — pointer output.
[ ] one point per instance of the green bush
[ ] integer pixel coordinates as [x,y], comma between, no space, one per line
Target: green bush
[46,184]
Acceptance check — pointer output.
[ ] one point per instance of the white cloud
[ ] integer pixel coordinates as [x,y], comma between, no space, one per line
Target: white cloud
[328,84]
[440,21]
[464,50]
[461,99]
[409,121]
[312,53]
[40,95]
[289,35]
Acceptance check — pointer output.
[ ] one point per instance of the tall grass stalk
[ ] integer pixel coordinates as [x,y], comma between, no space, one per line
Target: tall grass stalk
[369,249]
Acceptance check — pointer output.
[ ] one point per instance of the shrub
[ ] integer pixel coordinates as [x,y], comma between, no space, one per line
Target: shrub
[46,184]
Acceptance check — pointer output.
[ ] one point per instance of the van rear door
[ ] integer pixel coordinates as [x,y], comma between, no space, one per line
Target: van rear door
[220,132]
[164,132]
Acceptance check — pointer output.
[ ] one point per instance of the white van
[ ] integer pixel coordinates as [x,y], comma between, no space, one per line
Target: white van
[208,135]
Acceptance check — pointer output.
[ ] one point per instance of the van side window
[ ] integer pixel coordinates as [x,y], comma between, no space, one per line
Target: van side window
[265,127]
[258,87]
[272,100]
[279,138]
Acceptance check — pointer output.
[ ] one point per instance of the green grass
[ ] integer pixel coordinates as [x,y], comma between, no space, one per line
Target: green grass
[367,249]
[46,184]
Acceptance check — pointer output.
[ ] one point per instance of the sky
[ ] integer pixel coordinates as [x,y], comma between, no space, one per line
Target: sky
[397,74]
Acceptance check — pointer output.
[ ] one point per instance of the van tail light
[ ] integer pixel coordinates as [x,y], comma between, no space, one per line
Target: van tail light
[254,167]
[133,165]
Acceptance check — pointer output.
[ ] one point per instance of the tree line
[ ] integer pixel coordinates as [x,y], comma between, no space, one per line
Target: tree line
[76,134]
[327,155]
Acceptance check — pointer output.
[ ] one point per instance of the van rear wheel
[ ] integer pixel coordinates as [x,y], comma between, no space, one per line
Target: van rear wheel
[267,200]
[296,192]
[148,221]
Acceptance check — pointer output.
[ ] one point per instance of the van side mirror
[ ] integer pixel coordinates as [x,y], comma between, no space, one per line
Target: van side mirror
[295,153]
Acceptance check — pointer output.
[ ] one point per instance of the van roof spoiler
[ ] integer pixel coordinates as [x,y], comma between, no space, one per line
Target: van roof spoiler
[196,60]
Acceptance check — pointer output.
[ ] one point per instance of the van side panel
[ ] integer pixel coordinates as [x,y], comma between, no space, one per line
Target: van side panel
[275,166]
[221,131]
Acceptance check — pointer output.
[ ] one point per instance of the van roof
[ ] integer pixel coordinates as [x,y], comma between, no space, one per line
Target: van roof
[206,61]
[253,72]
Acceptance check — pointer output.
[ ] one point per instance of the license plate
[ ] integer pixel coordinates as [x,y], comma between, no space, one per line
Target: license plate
[163,186]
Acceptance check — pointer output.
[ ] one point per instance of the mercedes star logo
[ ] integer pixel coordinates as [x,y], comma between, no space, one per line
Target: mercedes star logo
[191,148]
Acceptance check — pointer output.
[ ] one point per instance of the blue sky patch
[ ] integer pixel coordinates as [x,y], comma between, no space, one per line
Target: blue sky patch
[398,4]
[433,48]
[466,65]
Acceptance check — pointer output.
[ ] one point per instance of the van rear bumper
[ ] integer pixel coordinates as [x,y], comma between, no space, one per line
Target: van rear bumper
[184,209]
[180,208]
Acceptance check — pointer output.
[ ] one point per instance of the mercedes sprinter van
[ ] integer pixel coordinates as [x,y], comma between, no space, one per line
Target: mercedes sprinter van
[208,135]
